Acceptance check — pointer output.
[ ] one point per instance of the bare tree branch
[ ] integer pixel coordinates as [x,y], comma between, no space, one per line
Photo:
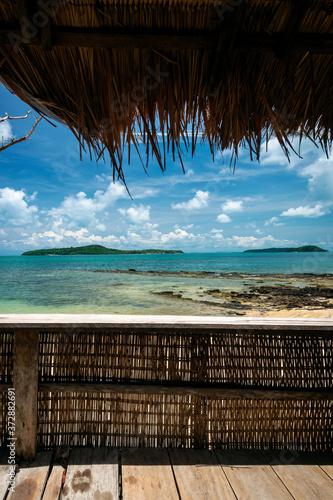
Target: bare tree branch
[13,141]
[7,117]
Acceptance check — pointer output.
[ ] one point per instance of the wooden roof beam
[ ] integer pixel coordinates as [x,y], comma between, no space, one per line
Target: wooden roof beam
[100,40]
[229,29]
[243,42]
[35,22]
[298,10]
[46,35]
[302,43]
[23,13]
[26,10]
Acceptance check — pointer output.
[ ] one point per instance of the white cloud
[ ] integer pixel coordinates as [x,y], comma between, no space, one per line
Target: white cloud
[244,241]
[139,193]
[50,235]
[271,221]
[311,163]
[82,211]
[223,218]
[148,226]
[14,209]
[110,240]
[253,242]
[189,172]
[178,235]
[199,201]
[150,237]
[218,239]
[218,236]
[188,226]
[32,197]
[136,215]
[57,223]
[231,206]
[5,130]
[320,179]
[307,211]
[67,238]
[274,154]
[274,221]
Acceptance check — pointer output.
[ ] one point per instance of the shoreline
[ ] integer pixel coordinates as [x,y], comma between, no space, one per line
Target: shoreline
[167,292]
[266,295]
[208,274]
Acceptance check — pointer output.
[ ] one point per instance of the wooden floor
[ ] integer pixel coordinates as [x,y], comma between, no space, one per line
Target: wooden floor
[165,474]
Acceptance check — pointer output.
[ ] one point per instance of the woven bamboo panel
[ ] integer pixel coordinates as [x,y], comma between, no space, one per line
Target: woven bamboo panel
[286,361]
[297,425]
[182,421]
[242,358]
[265,360]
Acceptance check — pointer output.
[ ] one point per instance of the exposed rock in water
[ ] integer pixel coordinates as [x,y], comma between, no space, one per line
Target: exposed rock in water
[168,293]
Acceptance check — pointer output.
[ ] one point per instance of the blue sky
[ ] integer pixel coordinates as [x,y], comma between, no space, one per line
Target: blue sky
[49,198]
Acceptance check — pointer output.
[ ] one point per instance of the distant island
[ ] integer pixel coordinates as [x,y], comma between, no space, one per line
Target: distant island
[97,250]
[307,248]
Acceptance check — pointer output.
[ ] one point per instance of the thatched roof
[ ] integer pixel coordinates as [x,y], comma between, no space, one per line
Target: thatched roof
[165,71]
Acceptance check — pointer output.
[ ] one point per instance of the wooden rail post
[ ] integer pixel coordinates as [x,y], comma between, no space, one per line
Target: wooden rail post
[25,383]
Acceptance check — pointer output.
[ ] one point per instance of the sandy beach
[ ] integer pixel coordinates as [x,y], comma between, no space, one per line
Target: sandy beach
[295,313]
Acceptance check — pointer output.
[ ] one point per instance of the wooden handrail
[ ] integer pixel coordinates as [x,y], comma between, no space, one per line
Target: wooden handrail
[200,324]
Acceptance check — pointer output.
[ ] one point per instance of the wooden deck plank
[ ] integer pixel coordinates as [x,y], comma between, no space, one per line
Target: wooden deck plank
[325,461]
[78,474]
[199,475]
[147,474]
[250,476]
[302,476]
[54,483]
[31,478]
[105,473]
[4,471]
[92,473]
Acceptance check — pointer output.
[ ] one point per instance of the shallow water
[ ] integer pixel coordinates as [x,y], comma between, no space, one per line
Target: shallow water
[70,284]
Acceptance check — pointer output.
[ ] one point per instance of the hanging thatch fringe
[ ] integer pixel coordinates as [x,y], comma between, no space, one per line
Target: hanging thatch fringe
[114,97]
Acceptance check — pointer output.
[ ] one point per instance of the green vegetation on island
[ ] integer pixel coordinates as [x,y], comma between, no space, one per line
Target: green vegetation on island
[97,250]
[307,248]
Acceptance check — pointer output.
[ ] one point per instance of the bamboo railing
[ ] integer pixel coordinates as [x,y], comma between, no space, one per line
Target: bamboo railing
[205,382]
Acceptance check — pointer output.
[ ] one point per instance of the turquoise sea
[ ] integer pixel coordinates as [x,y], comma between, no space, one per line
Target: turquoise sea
[74,284]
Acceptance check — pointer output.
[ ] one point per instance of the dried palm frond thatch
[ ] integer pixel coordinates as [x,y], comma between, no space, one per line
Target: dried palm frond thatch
[168,72]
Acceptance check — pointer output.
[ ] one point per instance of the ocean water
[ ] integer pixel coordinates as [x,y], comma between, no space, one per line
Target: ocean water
[75,284]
